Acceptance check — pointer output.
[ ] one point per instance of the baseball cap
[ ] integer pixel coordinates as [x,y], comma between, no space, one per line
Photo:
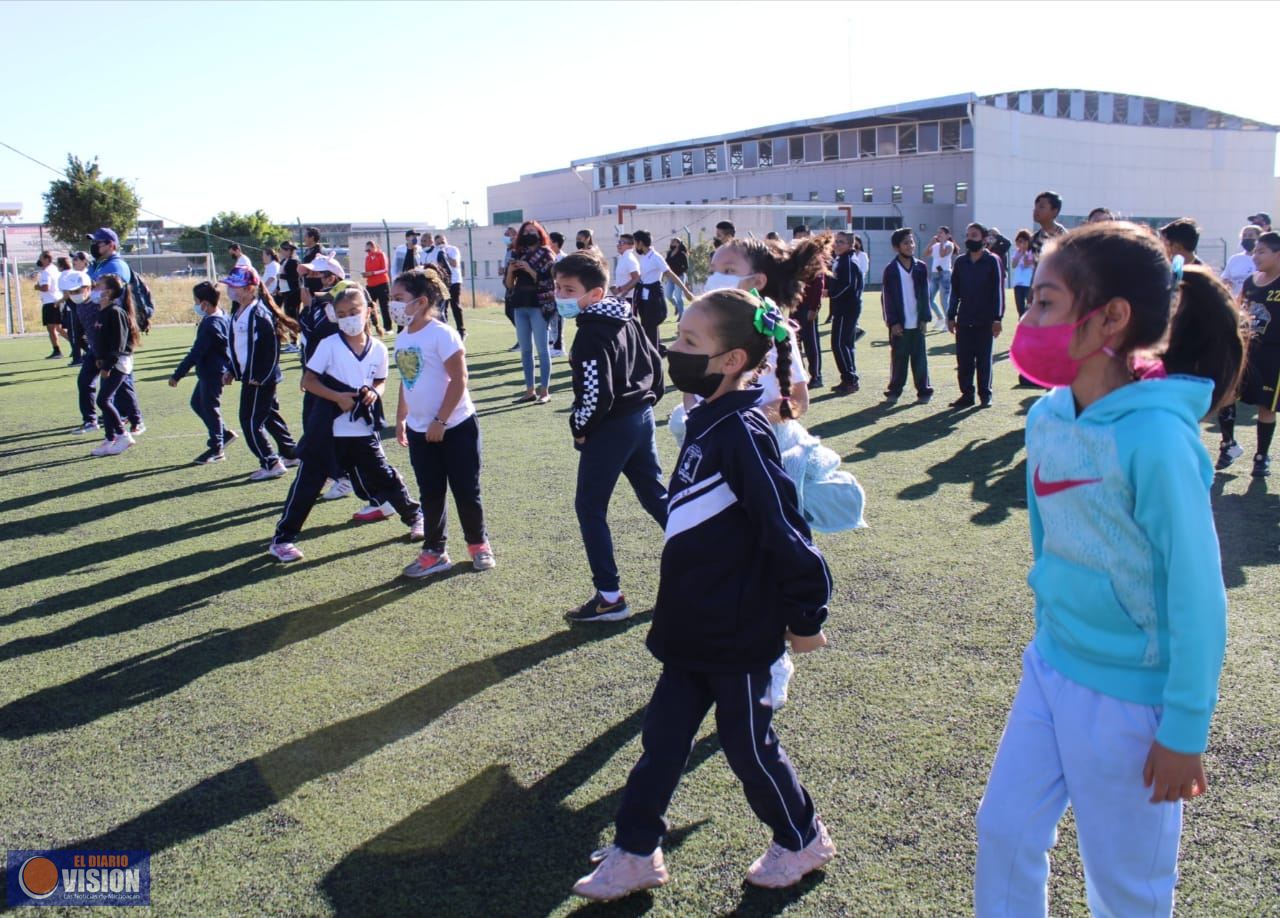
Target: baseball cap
[412,233]
[1260,217]
[242,277]
[104,234]
[327,264]
[73,280]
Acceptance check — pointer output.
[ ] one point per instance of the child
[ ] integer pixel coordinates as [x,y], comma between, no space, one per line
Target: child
[739,578]
[436,420]
[257,328]
[75,286]
[617,379]
[846,309]
[1120,681]
[346,373]
[1260,302]
[318,321]
[904,296]
[116,337]
[210,357]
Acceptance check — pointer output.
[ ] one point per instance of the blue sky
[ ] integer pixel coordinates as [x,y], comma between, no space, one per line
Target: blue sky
[399,111]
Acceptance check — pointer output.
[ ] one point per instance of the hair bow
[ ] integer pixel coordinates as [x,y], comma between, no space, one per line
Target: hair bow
[1175,275]
[769,320]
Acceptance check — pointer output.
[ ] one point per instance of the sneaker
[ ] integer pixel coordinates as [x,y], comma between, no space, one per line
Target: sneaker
[87,427]
[598,609]
[102,449]
[374,513]
[891,396]
[285,552]
[557,352]
[139,428]
[984,403]
[210,455]
[482,557]
[514,347]
[75,362]
[544,398]
[1228,453]
[290,462]
[780,867]
[964,401]
[290,349]
[119,445]
[56,355]
[274,471]
[428,564]
[924,399]
[621,873]
[844,388]
[1261,466]
[418,529]
[228,436]
[338,490]
[858,334]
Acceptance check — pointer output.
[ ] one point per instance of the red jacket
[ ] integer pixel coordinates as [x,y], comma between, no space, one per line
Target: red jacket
[375,265]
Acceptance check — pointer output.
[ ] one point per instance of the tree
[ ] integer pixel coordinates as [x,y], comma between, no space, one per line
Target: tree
[459,223]
[700,262]
[254,231]
[86,200]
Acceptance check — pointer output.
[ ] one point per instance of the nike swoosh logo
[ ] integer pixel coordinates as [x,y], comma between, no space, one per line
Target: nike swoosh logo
[1048,488]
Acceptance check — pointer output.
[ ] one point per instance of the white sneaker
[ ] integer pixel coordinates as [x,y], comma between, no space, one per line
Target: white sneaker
[119,444]
[341,488]
[102,449]
[140,429]
[556,352]
[86,427]
[621,873]
[418,531]
[266,474]
[780,867]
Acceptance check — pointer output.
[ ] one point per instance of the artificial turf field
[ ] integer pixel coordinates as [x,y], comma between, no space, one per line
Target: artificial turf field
[328,738]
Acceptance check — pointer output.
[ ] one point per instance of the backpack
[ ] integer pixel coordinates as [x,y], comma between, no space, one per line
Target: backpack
[143,306]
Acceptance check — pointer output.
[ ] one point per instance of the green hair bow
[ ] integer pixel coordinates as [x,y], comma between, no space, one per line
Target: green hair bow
[769,320]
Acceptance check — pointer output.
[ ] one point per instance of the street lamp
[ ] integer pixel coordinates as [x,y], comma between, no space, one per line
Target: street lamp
[471,266]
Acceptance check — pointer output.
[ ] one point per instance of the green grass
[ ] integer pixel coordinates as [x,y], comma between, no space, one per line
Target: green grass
[327,738]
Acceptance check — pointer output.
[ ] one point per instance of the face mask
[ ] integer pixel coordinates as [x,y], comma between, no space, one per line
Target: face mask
[716,243]
[973,245]
[581,246]
[351,325]
[1248,244]
[95,250]
[397,313]
[528,240]
[1042,353]
[199,310]
[718,280]
[78,297]
[567,307]
[689,373]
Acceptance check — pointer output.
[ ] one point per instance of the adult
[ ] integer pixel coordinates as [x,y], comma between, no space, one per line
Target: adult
[806,316]
[1240,265]
[1181,237]
[626,268]
[651,304]
[531,287]
[941,253]
[846,308]
[238,256]
[448,257]
[104,249]
[289,285]
[50,297]
[311,240]
[860,256]
[1100,215]
[999,245]
[725,232]
[974,315]
[1048,205]
[405,258]
[904,297]
[1261,219]
[678,262]
[377,282]
[555,332]
[509,237]
[587,243]
[271,272]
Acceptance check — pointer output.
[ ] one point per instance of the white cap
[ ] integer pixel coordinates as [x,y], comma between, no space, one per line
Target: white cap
[73,280]
[327,263]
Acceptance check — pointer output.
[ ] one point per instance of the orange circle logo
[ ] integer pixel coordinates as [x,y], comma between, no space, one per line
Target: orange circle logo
[38,877]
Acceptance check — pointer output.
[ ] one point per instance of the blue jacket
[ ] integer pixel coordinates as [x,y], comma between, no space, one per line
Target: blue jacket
[210,354]
[977,290]
[316,325]
[263,361]
[113,265]
[891,293]
[846,283]
[1128,573]
[738,566]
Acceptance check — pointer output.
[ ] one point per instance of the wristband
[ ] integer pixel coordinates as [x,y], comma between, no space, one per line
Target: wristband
[440,422]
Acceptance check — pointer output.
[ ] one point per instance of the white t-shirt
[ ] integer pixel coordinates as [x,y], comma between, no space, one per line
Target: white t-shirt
[334,356]
[1238,269]
[243,261]
[769,375]
[454,257]
[652,267]
[864,264]
[49,277]
[627,264]
[420,357]
[940,255]
[271,277]
[909,304]
[241,323]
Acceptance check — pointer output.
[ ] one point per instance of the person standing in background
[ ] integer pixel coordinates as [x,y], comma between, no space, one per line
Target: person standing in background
[451,259]
[725,231]
[1022,265]
[532,291]
[904,298]
[289,285]
[626,271]
[241,259]
[586,243]
[1262,220]
[311,239]
[975,313]
[651,305]
[678,262]
[1045,214]
[860,257]
[378,283]
[555,331]
[846,309]
[1240,265]
[405,257]
[50,297]
[104,247]
[806,316]
[941,254]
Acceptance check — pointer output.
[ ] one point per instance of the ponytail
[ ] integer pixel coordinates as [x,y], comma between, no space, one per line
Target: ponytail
[283,323]
[1205,335]
[787,269]
[785,410]
[121,293]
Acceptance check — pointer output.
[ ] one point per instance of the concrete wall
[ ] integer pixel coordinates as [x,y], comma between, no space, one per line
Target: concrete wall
[548,195]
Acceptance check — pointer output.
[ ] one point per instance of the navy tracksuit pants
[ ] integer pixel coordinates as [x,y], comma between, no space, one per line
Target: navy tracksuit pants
[909,349]
[87,387]
[360,457]
[973,354]
[807,335]
[334,469]
[844,326]
[206,402]
[744,722]
[452,464]
[260,416]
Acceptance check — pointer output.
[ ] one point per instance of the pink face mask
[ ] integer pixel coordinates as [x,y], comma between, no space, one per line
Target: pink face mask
[1042,353]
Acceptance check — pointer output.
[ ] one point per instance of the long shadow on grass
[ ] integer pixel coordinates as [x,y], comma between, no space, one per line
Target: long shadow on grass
[458,855]
[855,420]
[258,783]
[988,466]
[908,435]
[1248,528]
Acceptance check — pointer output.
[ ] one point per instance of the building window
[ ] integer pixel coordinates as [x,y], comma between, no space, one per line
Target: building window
[830,147]
[1090,106]
[840,195]
[686,162]
[735,157]
[1121,111]
[927,196]
[962,192]
[788,196]
[631,173]
[886,141]
[614,173]
[1064,104]
[927,137]
[1181,115]
[848,144]
[1150,112]
[868,195]
[906,139]
[813,196]
[1011,101]
[795,149]
[648,169]
[1037,103]
[966,135]
[765,150]
[712,159]
[666,165]
[600,176]
[509,216]
[486,269]
[950,135]
[895,194]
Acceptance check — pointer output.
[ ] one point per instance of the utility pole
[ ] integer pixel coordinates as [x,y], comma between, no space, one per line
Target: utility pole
[471,261]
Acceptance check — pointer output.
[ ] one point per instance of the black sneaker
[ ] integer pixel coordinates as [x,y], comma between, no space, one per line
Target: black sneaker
[964,401]
[1227,454]
[858,333]
[1261,466]
[891,396]
[924,398]
[598,609]
[816,383]
[985,403]
[210,455]
[229,436]
[56,355]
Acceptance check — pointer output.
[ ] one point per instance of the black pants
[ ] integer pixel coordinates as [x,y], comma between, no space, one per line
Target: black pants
[260,416]
[744,720]
[206,402]
[509,308]
[381,294]
[1020,299]
[87,387]
[651,308]
[363,459]
[453,462]
[455,304]
[74,333]
[330,459]
[973,353]
[108,388]
[844,326]
[810,346]
[909,348]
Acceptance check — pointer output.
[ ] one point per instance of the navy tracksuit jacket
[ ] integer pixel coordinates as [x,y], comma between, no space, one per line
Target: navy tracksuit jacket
[210,357]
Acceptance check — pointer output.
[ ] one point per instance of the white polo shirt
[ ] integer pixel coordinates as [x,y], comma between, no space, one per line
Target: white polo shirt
[627,263]
[335,357]
[271,277]
[455,262]
[49,277]
[909,304]
[652,267]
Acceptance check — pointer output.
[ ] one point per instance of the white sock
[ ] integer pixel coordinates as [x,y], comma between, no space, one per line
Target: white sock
[610,595]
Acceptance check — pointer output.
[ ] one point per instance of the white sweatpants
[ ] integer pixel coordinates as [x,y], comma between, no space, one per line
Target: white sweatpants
[1067,744]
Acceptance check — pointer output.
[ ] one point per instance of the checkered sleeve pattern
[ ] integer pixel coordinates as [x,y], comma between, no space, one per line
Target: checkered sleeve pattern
[590,394]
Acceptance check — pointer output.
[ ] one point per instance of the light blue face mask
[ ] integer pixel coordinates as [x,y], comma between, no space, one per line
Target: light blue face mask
[567,307]
[198,309]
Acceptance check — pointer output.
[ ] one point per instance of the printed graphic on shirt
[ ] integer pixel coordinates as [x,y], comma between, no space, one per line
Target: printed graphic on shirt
[1258,316]
[689,464]
[409,361]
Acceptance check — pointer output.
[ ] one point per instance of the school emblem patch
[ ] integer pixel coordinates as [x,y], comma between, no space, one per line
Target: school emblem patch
[688,470]
[409,362]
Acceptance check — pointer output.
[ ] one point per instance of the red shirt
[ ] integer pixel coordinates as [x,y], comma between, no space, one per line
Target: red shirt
[375,266]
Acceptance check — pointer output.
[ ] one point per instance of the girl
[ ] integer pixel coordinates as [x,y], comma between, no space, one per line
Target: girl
[678,262]
[1022,266]
[116,338]
[436,420]
[210,359]
[1260,302]
[740,577]
[1120,680]
[346,373]
[271,272]
[257,328]
[859,256]
[532,293]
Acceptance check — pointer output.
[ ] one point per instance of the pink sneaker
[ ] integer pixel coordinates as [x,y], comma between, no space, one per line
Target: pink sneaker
[285,552]
[780,867]
[373,514]
[622,873]
[428,564]
[482,557]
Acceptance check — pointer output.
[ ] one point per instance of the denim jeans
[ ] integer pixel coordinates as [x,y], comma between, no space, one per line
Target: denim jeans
[531,332]
[939,281]
[675,295]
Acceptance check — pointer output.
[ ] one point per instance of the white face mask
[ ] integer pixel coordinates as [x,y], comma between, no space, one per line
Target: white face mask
[351,325]
[398,315]
[78,297]
[718,280]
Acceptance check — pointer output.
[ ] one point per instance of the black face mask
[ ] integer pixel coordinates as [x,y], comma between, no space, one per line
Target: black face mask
[716,243]
[95,250]
[974,245]
[689,373]
[529,240]
[1248,244]
[581,245]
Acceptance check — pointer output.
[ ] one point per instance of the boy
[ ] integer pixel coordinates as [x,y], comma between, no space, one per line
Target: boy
[846,309]
[210,357]
[617,379]
[974,314]
[905,298]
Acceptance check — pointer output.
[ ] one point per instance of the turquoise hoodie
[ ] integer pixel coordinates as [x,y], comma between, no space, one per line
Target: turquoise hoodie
[1128,575]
